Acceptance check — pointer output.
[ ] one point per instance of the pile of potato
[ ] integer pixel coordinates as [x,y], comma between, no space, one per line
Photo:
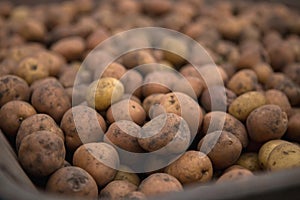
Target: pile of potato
[51,125]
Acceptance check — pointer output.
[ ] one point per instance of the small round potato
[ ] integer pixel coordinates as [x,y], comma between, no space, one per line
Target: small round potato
[192,86]
[284,156]
[160,183]
[222,147]
[126,110]
[12,114]
[124,173]
[265,150]
[100,160]
[276,97]
[152,100]
[263,71]
[114,70]
[132,81]
[73,181]
[191,167]
[293,130]
[117,189]
[249,161]
[124,134]
[243,81]
[41,153]
[231,124]
[82,124]
[235,175]
[135,195]
[266,123]
[162,130]
[13,88]
[31,69]
[243,105]
[35,123]
[52,61]
[104,92]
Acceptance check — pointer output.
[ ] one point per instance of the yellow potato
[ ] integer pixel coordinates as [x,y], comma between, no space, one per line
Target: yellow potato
[284,156]
[124,173]
[249,161]
[265,151]
[104,92]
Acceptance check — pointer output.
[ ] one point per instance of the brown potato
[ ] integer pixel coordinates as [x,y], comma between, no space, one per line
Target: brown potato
[243,105]
[157,7]
[191,167]
[163,129]
[170,44]
[117,189]
[51,100]
[293,72]
[189,85]
[243,81]
[222,147]
[135,195]
[82,124]
[13,88]
[132,81]
[36,123]
[73,181]
[125,173]
[266,123]
[263,71]
[124,134]
[12,114]
[126,110]
[151,100]
[100,160]
[235,175]
[137,58]
[104,92]
[226,122]
[249,161]
[31,69]
[277,97]
[41,153]
[293,130]
[114,70]
[33,30]
[159,183]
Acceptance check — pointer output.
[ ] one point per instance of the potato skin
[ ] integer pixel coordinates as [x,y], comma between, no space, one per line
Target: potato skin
[41,153]
[151,100]
[266,123]
[13,88]
[244,104]
[73,181]
[243,81]
[276,97]
[124,134]
[293,130]
[191,167]
[81,124]
[231,124]
[249,160]
[135,195]
[159,183]
[132,81]
[37,122]
[235,175]
[284,156]
[226,150]
[52,100]
[12,114]
[117,189]
[125,173]
[100,160]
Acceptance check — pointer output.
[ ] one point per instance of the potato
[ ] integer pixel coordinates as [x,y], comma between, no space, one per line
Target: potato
[13,88]
[266,123]
[157,7]
[36,123]
[233,167]
[277,97]
[126,174]
[96,38]
[243,105]
[52,100]
[46,81]
[131,97]
[82,124]
[243,81]
[222,147]
[68,76]
[12,114]
[135,195]
[71,47]
[104,92]
[168,133]
[292,71]
[73,181]
[235,175]
[126,110]
[293,130]
[191,167]
[263,71]
[159,183]
[124,135]
[284,156]
[41,153]
[265,150]
[132,81]
[179,48]
[249,161]
[151,100]
[117,189]
[191,86]
[217,96]
[114,70]
[100,160]
[30,69]
[139,58]
[226,122]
